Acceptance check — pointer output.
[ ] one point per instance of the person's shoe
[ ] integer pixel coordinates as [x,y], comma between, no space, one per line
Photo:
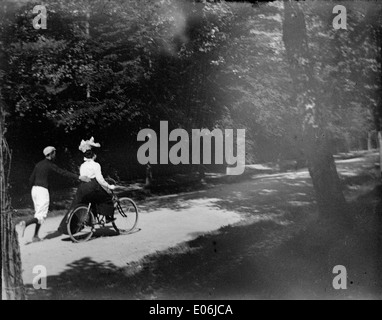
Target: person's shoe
[36,239]
[22,228]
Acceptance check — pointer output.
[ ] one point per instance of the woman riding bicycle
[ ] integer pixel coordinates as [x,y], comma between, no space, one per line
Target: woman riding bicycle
[97,191]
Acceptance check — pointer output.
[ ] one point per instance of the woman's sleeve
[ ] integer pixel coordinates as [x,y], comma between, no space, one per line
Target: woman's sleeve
[99,177]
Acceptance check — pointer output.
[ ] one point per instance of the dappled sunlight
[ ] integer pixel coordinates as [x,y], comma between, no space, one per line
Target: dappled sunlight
[250,209]
[348,173]
[299,194]
[276,216]
[190,204]
[302,197]
[254,224]
[299,203]
[267,192]
[238,194]
[160,229]
[297,175]
[258,167]
[241,198]
[269,176]
[351,160]
[296,184]
[174,201]
[303,176]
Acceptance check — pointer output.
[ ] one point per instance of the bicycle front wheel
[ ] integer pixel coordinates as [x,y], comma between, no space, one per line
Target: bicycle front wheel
[80,224]
[126,215]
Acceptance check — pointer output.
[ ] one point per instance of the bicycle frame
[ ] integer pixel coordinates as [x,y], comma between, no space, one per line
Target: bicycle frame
[96,218]
[100,219]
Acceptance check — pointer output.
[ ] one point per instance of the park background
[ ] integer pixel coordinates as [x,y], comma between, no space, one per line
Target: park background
[303,90]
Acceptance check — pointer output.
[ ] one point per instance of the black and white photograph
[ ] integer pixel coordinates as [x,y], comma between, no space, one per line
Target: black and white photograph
[191,150]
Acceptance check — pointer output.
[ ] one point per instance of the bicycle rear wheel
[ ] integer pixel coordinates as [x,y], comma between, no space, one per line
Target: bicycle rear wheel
[80,224]
[126,215]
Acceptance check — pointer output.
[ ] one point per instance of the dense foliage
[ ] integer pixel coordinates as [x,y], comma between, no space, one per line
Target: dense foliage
[111,68]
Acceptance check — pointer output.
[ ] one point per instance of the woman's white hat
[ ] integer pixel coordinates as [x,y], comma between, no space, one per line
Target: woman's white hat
[88,144]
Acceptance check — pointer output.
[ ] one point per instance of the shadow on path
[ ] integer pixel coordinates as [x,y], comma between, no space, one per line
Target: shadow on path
[259,260]
[278,252]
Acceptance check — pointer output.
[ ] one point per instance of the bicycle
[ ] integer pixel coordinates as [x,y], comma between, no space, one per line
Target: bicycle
[82,221]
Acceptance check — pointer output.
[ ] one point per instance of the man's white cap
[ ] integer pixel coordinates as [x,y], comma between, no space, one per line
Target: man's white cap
[48,150]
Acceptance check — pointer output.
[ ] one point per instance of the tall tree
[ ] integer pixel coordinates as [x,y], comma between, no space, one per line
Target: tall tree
[315,138]
[11,270]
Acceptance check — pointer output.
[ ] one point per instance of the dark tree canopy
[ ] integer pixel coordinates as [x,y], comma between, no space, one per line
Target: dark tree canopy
[111,68]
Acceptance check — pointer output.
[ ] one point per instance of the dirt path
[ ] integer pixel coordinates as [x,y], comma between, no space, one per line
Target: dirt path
[278,204]
[157,230]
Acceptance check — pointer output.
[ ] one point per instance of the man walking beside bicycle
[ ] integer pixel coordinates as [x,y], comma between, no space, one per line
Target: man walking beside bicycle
[39,181]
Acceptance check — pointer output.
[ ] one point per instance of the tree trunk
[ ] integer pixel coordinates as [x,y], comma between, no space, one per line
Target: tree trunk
[326,182]
[380,152]
[361,144]
[370,141]
[11,270]
[315,140]
[12,282]
[149,175]
[347,145]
